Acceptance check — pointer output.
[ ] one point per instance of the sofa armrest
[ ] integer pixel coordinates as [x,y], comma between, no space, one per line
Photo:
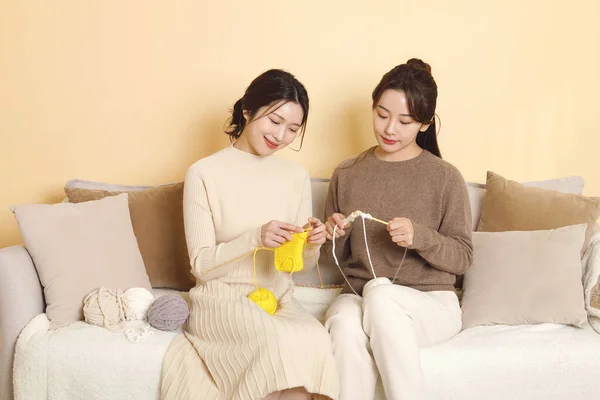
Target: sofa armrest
[21,299]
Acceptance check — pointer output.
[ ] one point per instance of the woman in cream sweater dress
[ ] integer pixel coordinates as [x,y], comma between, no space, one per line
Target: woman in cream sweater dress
[236,200]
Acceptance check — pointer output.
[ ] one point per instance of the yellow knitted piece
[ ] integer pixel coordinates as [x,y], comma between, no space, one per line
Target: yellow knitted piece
[288,256]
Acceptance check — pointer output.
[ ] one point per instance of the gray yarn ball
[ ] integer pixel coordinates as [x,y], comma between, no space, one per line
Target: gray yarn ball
[168,312]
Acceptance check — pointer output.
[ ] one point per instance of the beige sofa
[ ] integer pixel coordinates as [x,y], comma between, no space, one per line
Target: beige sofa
[547,361]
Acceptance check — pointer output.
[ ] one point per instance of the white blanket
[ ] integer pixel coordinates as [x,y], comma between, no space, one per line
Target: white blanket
[86,362]
[591,271]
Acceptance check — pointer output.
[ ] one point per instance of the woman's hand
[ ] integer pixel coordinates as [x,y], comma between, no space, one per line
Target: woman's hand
[401,231]
[317,235]
[275,233]
[332,221]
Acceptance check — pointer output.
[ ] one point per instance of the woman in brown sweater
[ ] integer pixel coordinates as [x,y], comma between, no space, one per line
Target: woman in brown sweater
[399,297]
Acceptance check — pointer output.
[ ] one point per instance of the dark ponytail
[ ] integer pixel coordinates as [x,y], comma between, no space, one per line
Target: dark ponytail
[272,86]
[238,122]
[428,140]
[415,80]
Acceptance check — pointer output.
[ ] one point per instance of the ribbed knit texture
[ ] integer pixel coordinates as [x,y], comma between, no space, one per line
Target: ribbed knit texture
[231,348]
[427,190]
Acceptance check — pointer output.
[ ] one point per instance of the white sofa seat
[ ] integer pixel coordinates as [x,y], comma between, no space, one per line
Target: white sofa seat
[549,361]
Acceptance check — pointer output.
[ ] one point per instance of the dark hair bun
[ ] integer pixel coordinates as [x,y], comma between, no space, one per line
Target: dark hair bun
[420,64]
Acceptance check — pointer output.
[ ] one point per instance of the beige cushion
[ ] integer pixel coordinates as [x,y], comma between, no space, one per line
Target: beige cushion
[570,184]
[511,206]
[525,278]
[157,218]
[76,248]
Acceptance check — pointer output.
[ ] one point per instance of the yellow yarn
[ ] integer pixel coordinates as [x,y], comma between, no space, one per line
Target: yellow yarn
[265,299]
[288,256]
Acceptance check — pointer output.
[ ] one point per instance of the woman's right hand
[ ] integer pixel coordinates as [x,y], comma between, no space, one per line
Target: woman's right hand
[332,221]
[275,233]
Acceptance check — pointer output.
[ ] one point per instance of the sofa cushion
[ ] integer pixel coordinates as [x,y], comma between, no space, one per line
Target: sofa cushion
[509,205]
[569,184]
[76,248]
[525,278]
[157,218]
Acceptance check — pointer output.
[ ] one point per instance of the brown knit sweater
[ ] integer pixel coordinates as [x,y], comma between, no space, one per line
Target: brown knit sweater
[426,189]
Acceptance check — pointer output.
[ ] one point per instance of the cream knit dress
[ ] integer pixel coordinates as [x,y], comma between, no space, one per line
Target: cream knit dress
[231,348]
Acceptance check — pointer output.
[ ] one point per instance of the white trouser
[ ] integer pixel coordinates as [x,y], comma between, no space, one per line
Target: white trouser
[384,330]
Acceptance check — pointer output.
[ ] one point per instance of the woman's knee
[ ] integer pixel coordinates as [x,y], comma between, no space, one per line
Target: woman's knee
[383,302]
[273,396]
[298,393]
[345,312]
[344,303]
[344,318]
[390,297]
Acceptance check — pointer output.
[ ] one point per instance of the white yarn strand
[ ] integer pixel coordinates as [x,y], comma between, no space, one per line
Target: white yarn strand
[401,262]
[364,217]
[337,262]
[134,335]
[367,244]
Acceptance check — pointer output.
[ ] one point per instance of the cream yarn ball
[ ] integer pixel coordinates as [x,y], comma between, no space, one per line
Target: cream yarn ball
[139,301]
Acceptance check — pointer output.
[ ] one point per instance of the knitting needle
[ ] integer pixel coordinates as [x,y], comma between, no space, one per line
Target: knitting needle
[380,221]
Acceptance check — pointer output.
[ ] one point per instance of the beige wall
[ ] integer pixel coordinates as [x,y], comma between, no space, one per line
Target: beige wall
[135,91]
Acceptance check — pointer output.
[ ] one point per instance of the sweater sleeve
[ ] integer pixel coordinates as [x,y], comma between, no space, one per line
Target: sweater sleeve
[450,249]
[342,244]
[208,259]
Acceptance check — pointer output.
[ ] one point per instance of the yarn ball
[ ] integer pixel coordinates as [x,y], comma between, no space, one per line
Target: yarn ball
[168,312]
[105,307]
[265,299]
[139,301]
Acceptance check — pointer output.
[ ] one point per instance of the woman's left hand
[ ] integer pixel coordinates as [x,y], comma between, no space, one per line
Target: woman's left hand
[317,235]
[401,231]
